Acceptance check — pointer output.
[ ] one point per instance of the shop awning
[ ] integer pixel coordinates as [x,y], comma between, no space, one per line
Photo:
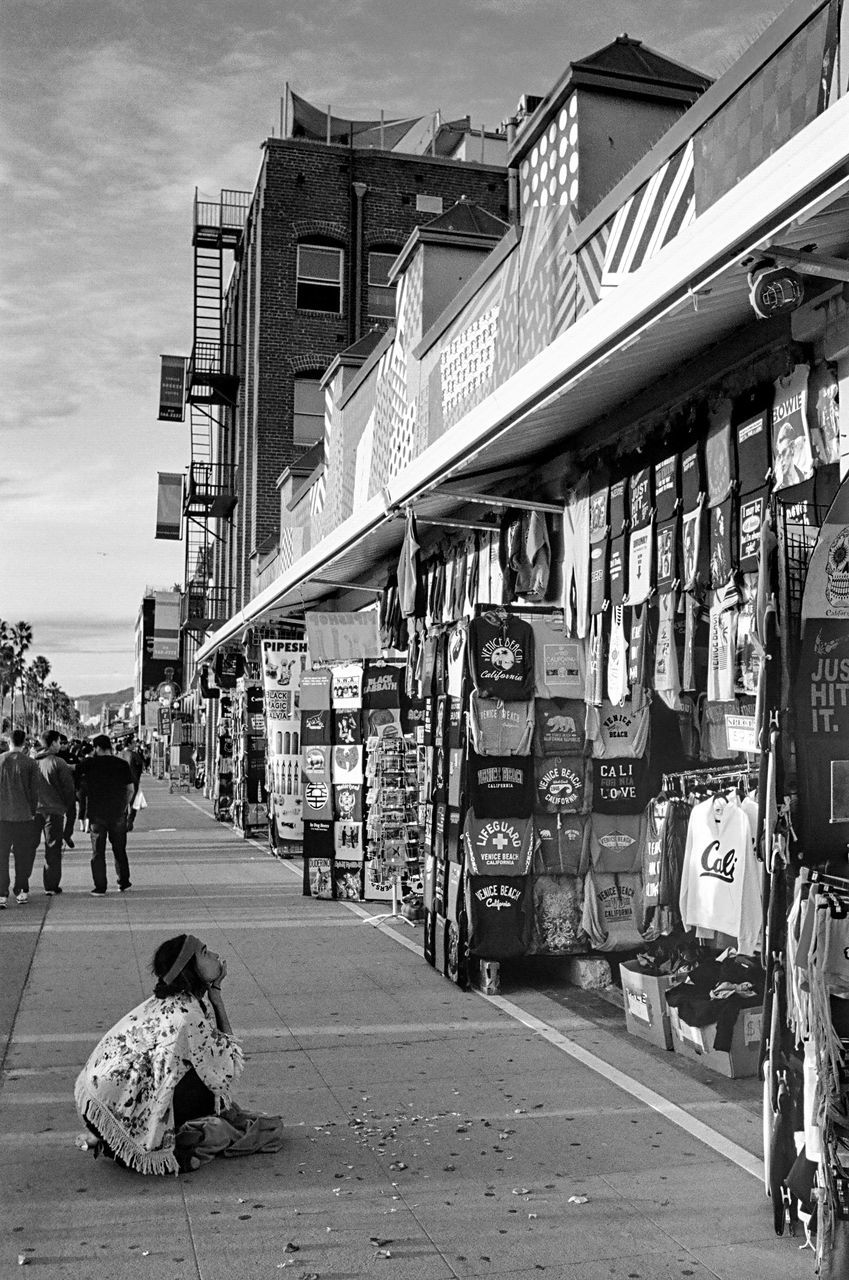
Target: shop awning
[682,302]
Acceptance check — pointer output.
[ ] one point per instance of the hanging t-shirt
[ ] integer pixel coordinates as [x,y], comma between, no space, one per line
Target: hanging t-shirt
[666,487]
[348,841]
[500,728]
[598,576]
[621,786]
[561,784]
[498,846]
[616,842]
[473,572]
[347,727]
[560,843]
[500,786]
[559,660]
[453,897]
[316,728]
[501,656]
[412,715]
[499,912]
[346,685]
[455,775]
[792,459]
[753,509]
[458,602]
[824,414]
[618,569]
[557,926]
[641,499]
[748,657]
[383,722]
[692,477]
[408,567]
[617,657]
[455,724]
[611,911]
[666,677]
[533,563]
[348,803]
[382,684]
[638,648]
[317,763]
[667,555]
[619,508]
[619,732]
[722,544]
[753,464]
[640,564]
[318,800]
[314,691]
[719,454]
[599,501]
[720,883]
[594,689]
[559,727]
[453,835]
[456,659]
[694,549]
[346,763]
[722,646]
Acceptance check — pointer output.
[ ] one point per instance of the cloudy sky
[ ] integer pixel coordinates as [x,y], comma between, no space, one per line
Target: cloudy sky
[113,111]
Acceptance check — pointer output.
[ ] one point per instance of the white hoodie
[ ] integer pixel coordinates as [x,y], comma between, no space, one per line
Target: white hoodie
[720,881]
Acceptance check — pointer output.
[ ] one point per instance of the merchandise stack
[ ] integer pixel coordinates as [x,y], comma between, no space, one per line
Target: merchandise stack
[222,791]
[250,814]
[283,662]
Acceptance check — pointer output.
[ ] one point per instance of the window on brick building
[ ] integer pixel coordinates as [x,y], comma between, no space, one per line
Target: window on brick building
[308,421]
[381,294]
[319,284]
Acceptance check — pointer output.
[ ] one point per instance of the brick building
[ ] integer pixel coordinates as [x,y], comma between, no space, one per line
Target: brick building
[311,280]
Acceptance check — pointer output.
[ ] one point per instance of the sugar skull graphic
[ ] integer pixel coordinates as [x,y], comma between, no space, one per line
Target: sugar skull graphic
[837,570]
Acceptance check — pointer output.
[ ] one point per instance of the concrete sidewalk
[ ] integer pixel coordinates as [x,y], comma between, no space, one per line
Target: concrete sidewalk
[432,1133]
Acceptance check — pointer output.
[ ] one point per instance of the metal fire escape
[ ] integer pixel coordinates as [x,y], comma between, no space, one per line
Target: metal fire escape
[212,392]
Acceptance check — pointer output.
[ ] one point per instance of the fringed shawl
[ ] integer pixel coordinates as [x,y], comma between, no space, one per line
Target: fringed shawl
[126,1089]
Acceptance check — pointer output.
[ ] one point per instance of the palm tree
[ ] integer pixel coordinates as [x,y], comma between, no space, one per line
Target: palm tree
[21,639]
[5,667]
[40,668]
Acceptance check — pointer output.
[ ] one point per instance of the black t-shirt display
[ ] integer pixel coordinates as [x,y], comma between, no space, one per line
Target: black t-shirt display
[641,505]
[618,569]
[753,511]
[382,685]
[559,727]
[619,512]
[598,575]
[666,558]
[347,727]
[500,786]
[692,478]
[666,487]
[561,784]
[720,470]
[723,550]
[599,500]
[753,461]
[501,656]
[499,916]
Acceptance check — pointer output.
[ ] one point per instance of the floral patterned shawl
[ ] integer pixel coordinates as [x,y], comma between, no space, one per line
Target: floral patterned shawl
[126,1089]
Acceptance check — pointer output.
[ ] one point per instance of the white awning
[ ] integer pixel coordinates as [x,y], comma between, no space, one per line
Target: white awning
[689,297]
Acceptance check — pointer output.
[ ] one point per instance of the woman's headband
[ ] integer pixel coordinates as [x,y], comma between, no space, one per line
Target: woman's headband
[188,951]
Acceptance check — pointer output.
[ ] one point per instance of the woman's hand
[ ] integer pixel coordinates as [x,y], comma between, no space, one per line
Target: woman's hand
[216,985]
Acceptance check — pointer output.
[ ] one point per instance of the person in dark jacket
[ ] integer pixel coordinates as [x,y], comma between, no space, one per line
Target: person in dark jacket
[56,798]
[135,760]
[105,794]
[18,827]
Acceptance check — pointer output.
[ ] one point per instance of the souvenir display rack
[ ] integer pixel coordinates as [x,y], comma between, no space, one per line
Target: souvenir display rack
[250,813]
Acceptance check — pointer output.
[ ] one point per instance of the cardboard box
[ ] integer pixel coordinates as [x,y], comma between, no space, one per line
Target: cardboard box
[646,1012]
[696,1043]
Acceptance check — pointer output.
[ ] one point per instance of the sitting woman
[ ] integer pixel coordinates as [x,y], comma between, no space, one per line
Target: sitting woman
[156,1091]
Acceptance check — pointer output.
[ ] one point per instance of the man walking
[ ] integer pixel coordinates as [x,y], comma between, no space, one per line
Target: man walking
[56,798]
[18,826]
[105,793]
[135,760]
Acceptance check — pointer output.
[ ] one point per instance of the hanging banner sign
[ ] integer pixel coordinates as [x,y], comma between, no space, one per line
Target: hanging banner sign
[822,691]
[172,388]
[166,624]
[343,637]
[169,506]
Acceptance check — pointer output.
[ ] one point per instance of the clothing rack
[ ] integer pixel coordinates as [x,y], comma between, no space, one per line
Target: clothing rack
[727,776]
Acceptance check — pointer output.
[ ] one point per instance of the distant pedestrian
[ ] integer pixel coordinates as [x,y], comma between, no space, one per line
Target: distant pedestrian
[19,829]
[105,793]
[135,760]
[56,798]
